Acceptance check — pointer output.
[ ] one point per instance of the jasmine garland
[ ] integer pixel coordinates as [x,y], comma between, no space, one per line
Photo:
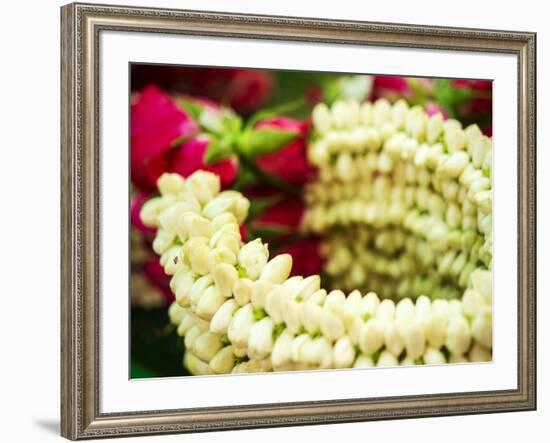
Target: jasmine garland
[412,195]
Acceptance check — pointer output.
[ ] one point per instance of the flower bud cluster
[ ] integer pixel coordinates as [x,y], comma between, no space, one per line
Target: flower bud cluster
[239,310]
[425,181]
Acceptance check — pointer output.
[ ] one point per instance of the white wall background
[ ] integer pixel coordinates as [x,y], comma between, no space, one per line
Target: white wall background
[29,218]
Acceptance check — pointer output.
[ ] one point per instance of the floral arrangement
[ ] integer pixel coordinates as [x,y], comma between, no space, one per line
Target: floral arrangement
[358,235]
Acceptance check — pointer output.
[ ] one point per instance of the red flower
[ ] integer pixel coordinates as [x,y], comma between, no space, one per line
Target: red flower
[306,257]
[248,90]
[289,162]
[391,87]
[285,213]
[473,84]
[156,122]
[135,209]
[189,157]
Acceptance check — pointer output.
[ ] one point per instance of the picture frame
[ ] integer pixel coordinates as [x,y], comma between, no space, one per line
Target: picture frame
[81,204]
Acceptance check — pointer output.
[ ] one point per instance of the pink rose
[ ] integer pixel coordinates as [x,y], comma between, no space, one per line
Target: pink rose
[290,161]
[156,122]
[189,157]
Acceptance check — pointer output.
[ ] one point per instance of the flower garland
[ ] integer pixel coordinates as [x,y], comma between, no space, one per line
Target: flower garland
[405,203]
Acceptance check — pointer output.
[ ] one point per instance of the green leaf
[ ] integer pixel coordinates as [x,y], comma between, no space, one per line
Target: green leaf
[254,142]
[192,108]
[265,232]
[217,150]
[274,111]
[259,205]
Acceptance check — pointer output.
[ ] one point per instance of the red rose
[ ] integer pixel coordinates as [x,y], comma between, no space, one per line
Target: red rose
[285,213]
[290,161]
[189,157]
[306,257]
[156,122]
[390,87]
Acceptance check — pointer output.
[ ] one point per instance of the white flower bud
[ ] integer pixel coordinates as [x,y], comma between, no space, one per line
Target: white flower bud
[260,340]
[192,335]
[310,316]
[407,361]
[393,339]
[222,318]
[366,113]
[198,257]
[198,289]
[277,269]
[343,353]
[171,260]
[280,354]
[457,359]
[332,326]
[188,321]
[176,313]
[163,240]
[299,342]
[458,335]
[455,139]
[150,211]
[384,310]
[196,225]
[434,357]
[381,112]
[479,149]
[386,360]
[472,302]
[415,339]
[224,361]
[260,289]
[170,184]
[221,254]
[345,168]
[239,328]
[434,128]
[399,113]
[454,164]
[203,185]
[478,353]
[219,205]
[318,153]
[170,218]
[195,365]
[318,297]
[371,337]
[206,346]
[210,301]
[343,115]
[224,219]
[482,328]
[484,200]
[291,314]
[253,257]
[225,277]
[306,288]
[182,291]
[482,281]
[242,291]
[363,361]
[321,118]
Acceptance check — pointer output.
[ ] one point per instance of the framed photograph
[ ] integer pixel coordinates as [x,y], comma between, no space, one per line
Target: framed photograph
[277,221]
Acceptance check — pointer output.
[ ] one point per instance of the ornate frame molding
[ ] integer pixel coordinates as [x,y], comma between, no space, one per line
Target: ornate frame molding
[80,28]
